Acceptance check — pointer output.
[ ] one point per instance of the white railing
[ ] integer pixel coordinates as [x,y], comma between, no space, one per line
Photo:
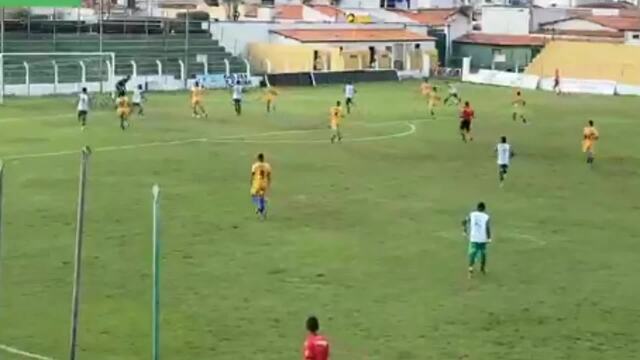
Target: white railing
[227,67]
[248,65]
[267,64]
[134,68]
[58,80]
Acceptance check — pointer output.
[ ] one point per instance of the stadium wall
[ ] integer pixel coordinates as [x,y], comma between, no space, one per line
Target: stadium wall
[589,60]
[482,55]
[533,82]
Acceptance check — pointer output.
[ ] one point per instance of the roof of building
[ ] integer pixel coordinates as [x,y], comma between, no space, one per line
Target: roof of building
[352,35]
[328,10]
[608,5]
[432,17]
[289,12]
[620,23]
[501,39]
[584,33]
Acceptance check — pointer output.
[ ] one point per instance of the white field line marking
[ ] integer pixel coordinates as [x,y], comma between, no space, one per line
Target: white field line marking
[529,238]
[515,235]
[15,351]
[412,129]
[230,139]
[106,148]
[27,118]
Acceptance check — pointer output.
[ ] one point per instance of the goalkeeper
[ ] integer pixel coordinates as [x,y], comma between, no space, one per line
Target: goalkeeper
[121,86]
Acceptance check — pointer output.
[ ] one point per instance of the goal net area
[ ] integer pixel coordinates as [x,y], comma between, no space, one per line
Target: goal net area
[55,72]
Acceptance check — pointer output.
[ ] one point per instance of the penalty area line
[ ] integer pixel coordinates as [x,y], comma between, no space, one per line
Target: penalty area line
[233,139]
[23,353]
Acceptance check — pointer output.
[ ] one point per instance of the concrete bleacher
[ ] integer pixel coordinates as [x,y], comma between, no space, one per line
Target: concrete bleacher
[142,48]
[589,60]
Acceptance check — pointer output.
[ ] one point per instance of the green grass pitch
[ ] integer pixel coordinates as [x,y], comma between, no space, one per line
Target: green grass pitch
[365,234]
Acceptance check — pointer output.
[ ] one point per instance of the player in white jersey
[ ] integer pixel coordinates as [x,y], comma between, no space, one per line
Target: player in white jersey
[83,107]
[477,228]
[504,154]
[137,99]
[453,94]
[349,94]
[237,97]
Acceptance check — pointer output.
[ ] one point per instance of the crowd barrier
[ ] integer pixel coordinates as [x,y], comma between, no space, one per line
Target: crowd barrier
[567,85]
[290,79]
[503,78]
[581,86]
[622,89]
[341,77]
[332,77]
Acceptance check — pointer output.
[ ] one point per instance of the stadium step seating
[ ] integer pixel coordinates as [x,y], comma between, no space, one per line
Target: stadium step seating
[143,49]
[589,60]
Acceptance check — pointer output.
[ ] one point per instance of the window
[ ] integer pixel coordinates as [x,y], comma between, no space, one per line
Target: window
[635,36]
[495,52]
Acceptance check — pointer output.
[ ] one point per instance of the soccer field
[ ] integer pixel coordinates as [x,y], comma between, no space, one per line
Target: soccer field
[365,234]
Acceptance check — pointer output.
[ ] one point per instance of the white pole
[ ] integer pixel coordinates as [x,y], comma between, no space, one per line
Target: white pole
[155,305]
[134,68]
[205,66]
[26,77]
[100,28]
[268,63]
[83,72]
[159,67]
[227,67]
[55,76]
[246,62]
[75,304]
[1,201]
[182,73]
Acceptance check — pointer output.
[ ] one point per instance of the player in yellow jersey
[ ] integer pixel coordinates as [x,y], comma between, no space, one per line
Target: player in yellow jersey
[260,183]
[425,88]
[434,100]
[270,97]
[123,109]
[197,98]
[518,105]
[335,118]
[590,136]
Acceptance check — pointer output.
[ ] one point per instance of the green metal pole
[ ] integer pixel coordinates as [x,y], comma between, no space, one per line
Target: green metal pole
[156,273]
[1,219]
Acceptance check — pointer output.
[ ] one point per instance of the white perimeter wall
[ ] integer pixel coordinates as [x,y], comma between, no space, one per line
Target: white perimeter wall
[428,4]
[554,3]
[235,36]
[505,20]
[543,15]
[360,4]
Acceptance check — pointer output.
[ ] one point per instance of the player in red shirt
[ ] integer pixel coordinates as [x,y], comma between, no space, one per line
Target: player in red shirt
[466,116]
[316,347]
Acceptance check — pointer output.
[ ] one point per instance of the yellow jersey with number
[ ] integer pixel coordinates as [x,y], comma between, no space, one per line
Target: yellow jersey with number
[335,116]
[260,178]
